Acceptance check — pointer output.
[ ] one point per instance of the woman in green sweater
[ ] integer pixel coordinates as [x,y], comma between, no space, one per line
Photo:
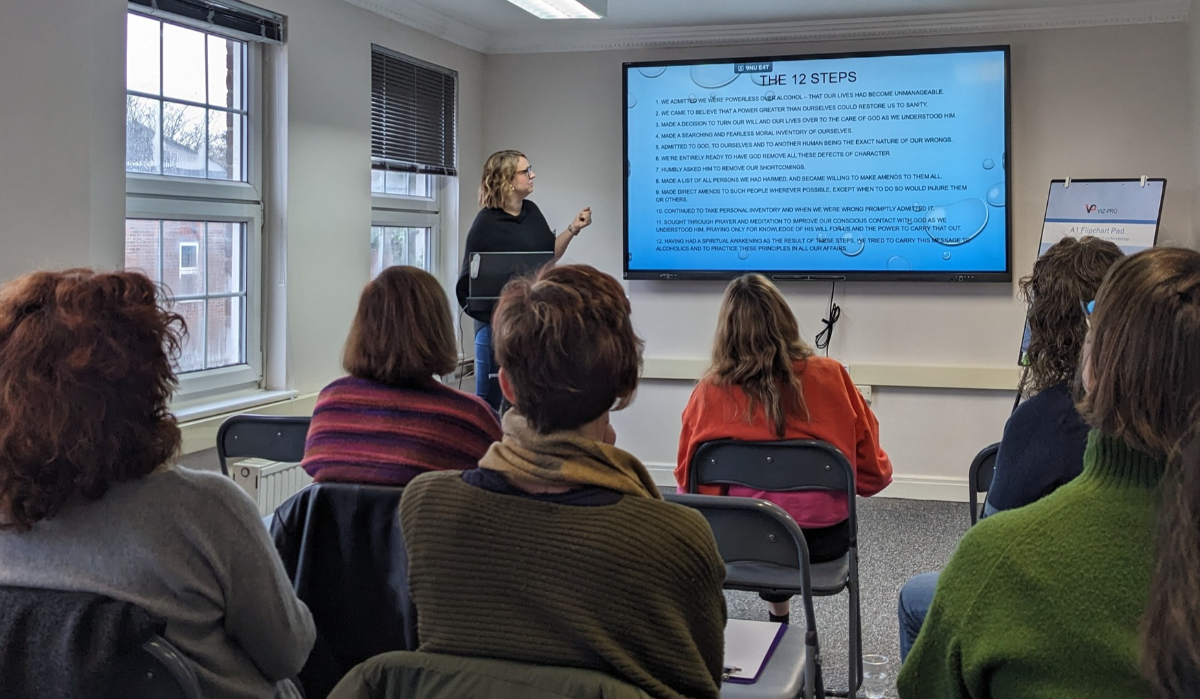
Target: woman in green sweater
[1091,591]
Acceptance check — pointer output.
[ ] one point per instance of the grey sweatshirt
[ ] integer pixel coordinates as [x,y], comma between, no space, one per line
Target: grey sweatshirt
[191,548]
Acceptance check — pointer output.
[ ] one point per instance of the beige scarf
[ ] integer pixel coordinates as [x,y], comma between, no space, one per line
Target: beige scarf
[565,457]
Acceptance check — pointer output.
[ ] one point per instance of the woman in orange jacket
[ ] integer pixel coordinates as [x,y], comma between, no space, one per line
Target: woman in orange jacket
[765,383]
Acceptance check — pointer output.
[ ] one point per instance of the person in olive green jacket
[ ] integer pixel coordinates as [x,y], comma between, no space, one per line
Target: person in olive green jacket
[558,550]
[1091,591]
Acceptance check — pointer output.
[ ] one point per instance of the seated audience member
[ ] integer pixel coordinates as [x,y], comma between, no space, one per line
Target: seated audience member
[1170,631]
[765,383]
[1048,600]
[1043,442]
[90,502]
[558,549]
[390,419]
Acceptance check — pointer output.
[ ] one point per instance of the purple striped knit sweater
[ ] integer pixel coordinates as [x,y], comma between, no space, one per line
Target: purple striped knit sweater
[367,432]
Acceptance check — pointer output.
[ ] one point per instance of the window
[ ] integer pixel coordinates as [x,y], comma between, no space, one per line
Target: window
[193,172]
[412,154]
[393,245]
[189,252]
[406,184]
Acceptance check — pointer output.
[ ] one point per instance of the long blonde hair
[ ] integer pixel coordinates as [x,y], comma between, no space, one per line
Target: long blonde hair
[498,173]
[756,348]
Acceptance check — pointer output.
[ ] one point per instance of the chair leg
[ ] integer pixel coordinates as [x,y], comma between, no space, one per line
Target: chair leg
[854,669]
[854,666]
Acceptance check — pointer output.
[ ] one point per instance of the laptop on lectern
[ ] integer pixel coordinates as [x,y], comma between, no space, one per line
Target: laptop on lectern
[488,272]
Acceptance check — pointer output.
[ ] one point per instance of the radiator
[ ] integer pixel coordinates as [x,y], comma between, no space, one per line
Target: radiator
[269,483]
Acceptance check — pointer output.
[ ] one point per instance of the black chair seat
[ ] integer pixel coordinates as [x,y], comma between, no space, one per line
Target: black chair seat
[830,577]
[753,576]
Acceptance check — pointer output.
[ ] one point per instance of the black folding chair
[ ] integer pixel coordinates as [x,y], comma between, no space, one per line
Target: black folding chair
[156,670]
[764,551]
[979,477]
[270,437]
[58,643]
[793,465]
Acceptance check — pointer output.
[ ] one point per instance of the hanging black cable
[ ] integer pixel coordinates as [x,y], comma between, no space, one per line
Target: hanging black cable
[835,312]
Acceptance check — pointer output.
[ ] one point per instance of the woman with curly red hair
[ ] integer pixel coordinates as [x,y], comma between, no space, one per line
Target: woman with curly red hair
[90,502]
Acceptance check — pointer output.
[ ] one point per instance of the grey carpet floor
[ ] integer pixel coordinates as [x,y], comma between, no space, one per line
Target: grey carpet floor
[897,539]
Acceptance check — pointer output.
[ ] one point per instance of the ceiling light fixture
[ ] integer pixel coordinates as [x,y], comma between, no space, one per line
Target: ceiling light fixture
[564,9]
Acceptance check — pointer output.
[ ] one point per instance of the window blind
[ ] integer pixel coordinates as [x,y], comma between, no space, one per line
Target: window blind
[412,115]
[229,16]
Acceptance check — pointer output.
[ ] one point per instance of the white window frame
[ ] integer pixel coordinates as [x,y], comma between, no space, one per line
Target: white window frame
[195,247]
[406,211]
[165,197]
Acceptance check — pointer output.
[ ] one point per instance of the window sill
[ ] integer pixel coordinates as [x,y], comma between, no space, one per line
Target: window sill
[198,409]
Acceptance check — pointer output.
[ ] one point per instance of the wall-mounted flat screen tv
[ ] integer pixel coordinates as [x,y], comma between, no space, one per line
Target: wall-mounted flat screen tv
[866,166]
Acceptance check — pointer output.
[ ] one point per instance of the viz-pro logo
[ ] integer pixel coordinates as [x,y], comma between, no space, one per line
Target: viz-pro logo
[1092,209]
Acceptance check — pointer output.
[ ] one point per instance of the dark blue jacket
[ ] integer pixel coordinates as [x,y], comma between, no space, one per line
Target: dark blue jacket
[1042,448]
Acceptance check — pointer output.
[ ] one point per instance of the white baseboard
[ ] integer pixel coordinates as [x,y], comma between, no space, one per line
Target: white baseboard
[662,473]
[927,488]
[905,487]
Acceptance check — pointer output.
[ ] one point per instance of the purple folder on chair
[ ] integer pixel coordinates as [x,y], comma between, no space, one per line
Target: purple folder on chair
[748,647]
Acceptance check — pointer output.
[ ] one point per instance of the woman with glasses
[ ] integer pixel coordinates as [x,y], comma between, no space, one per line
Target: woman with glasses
[1091,591]
[1044,439]
[508,222]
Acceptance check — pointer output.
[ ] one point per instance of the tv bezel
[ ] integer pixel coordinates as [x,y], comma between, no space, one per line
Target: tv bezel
[1004,276]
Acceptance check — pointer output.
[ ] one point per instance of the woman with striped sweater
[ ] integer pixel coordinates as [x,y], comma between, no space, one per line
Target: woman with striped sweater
[391,419]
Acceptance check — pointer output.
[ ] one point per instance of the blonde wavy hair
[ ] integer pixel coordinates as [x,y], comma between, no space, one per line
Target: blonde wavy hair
[498,174]
[756,348]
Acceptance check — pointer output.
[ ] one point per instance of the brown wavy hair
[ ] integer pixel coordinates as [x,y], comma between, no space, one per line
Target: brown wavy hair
[85,380]
[403,333]
[498,172]
[1066,276]
[757,346]
[1170,640]
[1144,360]
[566,342]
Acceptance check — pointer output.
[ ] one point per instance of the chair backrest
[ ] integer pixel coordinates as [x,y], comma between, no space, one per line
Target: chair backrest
[270,437]
[779,466]
[747,529]
[343,549]
[154,671]
[79,644]
[979,476]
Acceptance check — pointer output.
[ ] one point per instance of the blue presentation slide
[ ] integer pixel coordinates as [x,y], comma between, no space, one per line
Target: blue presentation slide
[891,163]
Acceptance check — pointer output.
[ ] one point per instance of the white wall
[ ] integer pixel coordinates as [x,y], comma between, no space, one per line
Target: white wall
[1104,102]
[328,174]
[62,134]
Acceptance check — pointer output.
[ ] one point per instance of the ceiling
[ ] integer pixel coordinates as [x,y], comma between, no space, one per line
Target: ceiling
[497,26]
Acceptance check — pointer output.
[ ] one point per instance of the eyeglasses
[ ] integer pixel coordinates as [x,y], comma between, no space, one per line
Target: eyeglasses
[527,171]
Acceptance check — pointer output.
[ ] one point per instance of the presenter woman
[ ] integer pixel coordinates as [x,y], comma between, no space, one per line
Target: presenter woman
[508,222]
[766,384]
